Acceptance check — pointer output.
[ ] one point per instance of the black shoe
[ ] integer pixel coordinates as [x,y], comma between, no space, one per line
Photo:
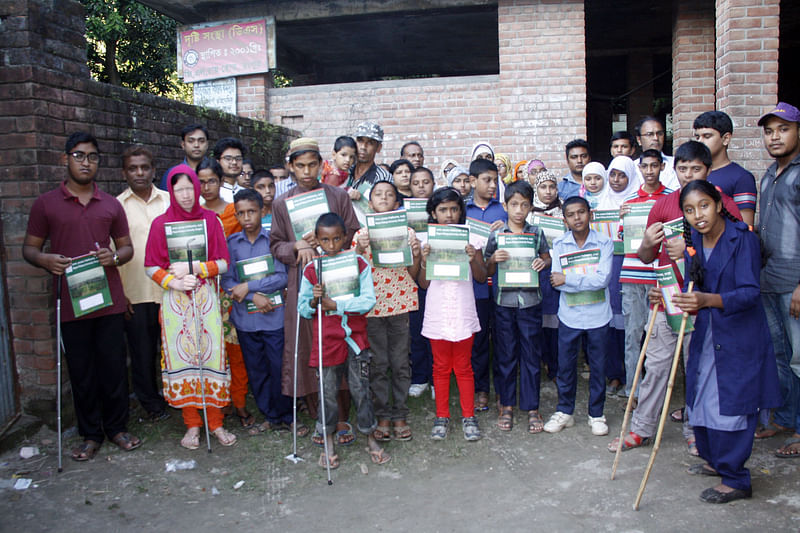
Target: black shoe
[159,416]
[702,469]
[711,495]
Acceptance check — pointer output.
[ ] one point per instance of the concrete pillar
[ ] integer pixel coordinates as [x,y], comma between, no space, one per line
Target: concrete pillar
[640,71]
[251,95]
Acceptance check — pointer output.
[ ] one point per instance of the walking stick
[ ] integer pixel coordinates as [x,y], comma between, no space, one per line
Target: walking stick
[59,344]
[321,384]
[293,457]
[665,409]
[197,346]
[629,406]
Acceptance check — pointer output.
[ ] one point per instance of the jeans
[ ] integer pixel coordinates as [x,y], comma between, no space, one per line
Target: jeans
[357,369]
[785,332]
[569,341]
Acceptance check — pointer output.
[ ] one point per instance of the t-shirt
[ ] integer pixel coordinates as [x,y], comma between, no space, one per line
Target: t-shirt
[737,183]
[633,269]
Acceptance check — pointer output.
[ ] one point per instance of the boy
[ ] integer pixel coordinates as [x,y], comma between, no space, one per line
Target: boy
[387,324]
[260,331]
[264,184]
[346,348]
[421,183]
[636,277]
[519,317]
[482,206]
[583,310]
[714,129]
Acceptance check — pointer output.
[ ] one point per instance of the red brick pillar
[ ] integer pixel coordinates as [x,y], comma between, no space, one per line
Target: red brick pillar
[747,73]
[251,96]
[693,84]
[542,78]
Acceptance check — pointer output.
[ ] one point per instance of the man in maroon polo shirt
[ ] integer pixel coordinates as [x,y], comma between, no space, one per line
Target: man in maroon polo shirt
[80,219]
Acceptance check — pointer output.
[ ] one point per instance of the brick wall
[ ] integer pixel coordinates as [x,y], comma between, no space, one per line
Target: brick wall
[45,94]
[747,73]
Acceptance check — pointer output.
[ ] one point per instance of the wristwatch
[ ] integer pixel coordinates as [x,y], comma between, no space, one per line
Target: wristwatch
[116,259]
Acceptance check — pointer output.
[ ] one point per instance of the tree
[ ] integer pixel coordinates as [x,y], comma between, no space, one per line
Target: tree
[131,45]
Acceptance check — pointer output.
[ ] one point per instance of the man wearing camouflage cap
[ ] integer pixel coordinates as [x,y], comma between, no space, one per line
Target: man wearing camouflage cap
[369,141]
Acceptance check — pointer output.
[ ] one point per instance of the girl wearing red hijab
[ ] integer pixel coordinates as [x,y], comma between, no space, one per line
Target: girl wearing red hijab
[180,369]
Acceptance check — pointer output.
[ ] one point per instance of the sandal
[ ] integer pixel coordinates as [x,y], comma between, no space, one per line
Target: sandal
[225,437]
[345,437]
[631,441]
[691,443]
[333,458]
[126,441]
[87,450]
[481,401]
[378,457]
[790,449]
[301,430]
[317,439]
[677,415]
[402,431]
[191,440]
[770,430]
[535,422]
[247,419]
[382,433]
[702,469]
[505,420]
[260,428]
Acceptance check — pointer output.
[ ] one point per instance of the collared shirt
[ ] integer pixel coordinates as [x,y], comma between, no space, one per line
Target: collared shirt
[373,175]
[512,296]
[226,191]
[779,227]
[491,213]
[284,186]
[568,187]
[668,177]
[587,316]
[240,248]
[633,269]
[75,229]
[737,183]
[139,288]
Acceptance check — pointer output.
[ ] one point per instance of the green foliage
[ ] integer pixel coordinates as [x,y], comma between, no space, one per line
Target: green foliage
[133,46]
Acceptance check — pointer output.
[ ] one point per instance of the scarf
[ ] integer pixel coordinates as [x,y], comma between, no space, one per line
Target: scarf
[481,148]
[521,164]
[507,162]
[554,207]
[611,199]
[594,197]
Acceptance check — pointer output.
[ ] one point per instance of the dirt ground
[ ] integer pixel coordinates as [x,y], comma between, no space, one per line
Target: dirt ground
[505,482]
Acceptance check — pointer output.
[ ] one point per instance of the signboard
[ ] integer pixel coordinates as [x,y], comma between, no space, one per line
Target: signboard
[224,49]
[216,94]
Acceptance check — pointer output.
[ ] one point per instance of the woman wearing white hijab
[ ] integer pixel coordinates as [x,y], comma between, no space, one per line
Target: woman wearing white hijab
[623,182]
[592,193]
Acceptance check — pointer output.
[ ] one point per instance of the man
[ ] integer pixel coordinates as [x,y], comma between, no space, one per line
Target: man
[279,172]
[81,220]
[622,144]
[714,129]
[142,202]
[779,228]
[577,152]
[369,141]
[651,134]
[412,151]
[230,153]
[194,143]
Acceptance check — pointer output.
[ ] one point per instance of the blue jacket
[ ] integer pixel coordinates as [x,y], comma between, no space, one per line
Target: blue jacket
[747,375]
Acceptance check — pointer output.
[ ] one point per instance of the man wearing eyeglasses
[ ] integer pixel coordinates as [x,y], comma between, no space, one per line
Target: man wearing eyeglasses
[230,153]
[651,134]
[81,220]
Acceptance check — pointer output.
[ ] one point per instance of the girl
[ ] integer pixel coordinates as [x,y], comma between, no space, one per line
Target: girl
[503,163]
[731,370]
[180,371]
[401,174]
[450,322]
[594,181]
[458,178]
[336,171]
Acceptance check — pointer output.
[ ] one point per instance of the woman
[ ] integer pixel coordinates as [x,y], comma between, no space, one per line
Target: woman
[503,163]
[520,171]
[184,293]
[401,171]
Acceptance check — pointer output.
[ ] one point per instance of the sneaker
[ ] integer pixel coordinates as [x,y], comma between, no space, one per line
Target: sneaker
[439,431]
[558,422]
[598,425]
[471,431]
[417,389]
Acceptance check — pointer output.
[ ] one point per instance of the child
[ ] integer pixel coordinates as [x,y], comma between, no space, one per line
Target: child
[401,175]
[636,277]
[451,321]
[264,184]
[336,171]
[387,324]
[421,183]
[731,371]
[519,317]
[483,206]
[458,178]
[345,345]
[594,181]
[260,333]
[585,314]
[246,175]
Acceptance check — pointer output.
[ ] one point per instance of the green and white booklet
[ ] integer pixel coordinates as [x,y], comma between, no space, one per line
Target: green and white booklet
[479,232]
[182,236]
[606,222]
[256,268]
[417,217]
[87,284]
[634,224]
[361,206]
[341,276]
[553,227]
[668,284]
[516,271]
[447,259]
[388,239]
[304,210]
[582,262]
[674,230]
[275,298]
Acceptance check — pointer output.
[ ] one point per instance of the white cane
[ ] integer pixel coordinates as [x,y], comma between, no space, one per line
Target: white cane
[197,346]
[293,456]
[319,368]
[59,344]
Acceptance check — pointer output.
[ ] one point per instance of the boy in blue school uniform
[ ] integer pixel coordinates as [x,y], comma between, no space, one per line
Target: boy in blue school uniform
[583,311]
[483,206]
[260,329]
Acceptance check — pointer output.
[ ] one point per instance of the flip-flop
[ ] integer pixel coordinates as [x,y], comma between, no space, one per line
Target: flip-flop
[638,442]
[343,434]
[334,461]
[257,429]
[378,457]
[788,442]
[770,430]
[86,451]
[126,441]
[403,432]
[382,433]
[677,415]
[225,437]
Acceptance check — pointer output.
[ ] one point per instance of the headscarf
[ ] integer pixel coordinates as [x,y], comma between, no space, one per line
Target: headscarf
[611,199]
[481,148]
[517,167]
[535,162]
[156,252]
[507,162]
[594,197]
[445,163]
[553,208]
[455,172]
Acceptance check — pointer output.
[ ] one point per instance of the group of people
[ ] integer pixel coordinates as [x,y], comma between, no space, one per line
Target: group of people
[211,274]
